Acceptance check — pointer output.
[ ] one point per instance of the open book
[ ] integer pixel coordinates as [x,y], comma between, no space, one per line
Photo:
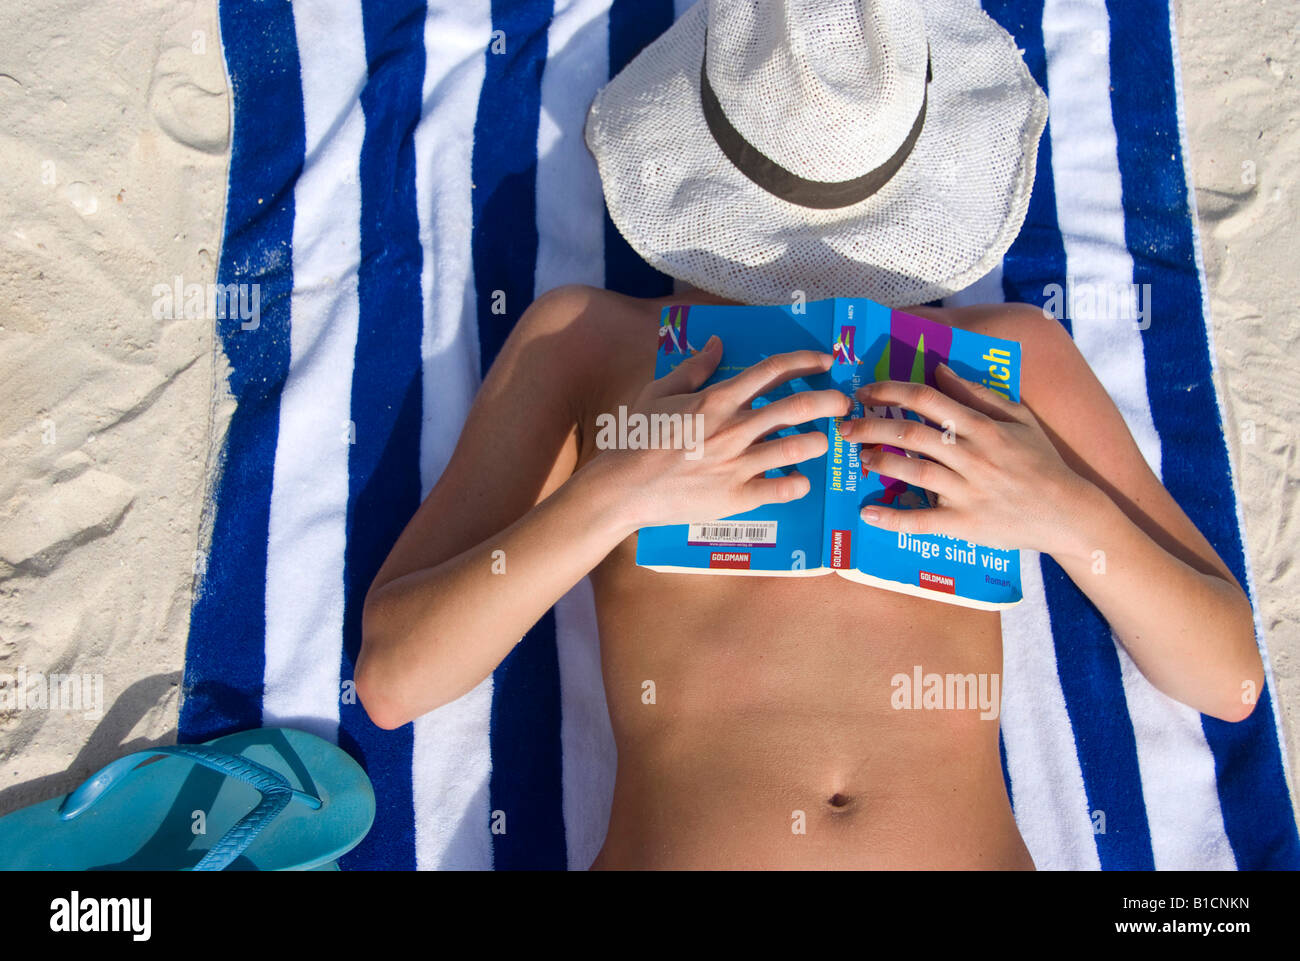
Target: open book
[822,531]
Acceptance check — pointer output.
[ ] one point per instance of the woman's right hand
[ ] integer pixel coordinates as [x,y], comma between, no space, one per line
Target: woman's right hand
[721,473]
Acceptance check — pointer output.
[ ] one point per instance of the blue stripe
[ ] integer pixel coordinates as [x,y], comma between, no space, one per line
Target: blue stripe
[1087,662]
[387,394]
[632,25]
[526,763]
[1158,232]
[1037,255]
[225,657]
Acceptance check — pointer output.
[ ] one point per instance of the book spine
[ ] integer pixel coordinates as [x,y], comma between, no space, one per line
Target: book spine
[843,471]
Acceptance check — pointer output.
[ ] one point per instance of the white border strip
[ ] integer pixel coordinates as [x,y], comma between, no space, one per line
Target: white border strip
[306,538]
[451,757]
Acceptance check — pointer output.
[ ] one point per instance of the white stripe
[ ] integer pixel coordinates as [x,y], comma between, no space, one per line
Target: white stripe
[451,767]
[570,228]
[1089,205]
[1182,798]
[306,535]
[571,249]
[590,757]
[1085,166]
[1051,803]
[451,757]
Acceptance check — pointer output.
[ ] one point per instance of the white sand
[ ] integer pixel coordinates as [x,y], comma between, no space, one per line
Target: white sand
[112,178]
[1240,63]
[114,148]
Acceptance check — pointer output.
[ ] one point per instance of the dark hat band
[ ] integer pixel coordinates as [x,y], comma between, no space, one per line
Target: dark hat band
[778,181]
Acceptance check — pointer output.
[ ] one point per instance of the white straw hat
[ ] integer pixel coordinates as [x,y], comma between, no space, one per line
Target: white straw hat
[873,148]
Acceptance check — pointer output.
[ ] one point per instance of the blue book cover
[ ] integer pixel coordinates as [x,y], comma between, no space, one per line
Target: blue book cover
[822,531]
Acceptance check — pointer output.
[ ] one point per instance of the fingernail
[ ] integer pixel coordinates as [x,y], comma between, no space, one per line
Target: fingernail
[870,514]
[943,366]
[711,342]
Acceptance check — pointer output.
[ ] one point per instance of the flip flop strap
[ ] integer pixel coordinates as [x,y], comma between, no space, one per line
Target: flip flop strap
[274,787]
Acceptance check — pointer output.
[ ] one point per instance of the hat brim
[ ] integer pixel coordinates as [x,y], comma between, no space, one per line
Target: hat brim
[943,221]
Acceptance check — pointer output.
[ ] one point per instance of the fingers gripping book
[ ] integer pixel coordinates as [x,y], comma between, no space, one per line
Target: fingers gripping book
[823,532]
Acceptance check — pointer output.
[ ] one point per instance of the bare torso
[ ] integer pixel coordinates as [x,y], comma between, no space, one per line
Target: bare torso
[770,740]
[754,716]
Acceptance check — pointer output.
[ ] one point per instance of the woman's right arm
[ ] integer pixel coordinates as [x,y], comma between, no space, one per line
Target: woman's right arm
[433,634]
[510,527]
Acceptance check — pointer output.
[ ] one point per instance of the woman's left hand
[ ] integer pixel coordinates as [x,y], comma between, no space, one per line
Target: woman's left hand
[999,479]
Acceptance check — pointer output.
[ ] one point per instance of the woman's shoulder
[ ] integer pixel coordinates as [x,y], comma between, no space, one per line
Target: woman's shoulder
[1014,321]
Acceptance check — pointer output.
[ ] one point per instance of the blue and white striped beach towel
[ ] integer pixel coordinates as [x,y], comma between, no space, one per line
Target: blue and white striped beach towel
[395,163]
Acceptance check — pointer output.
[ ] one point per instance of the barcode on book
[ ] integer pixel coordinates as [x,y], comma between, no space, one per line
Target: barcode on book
[746,533]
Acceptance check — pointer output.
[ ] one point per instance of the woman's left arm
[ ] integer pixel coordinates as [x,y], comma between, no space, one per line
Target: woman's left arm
[1060,473]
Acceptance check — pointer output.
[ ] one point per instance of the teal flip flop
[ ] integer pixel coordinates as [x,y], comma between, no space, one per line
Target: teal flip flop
[272,799]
